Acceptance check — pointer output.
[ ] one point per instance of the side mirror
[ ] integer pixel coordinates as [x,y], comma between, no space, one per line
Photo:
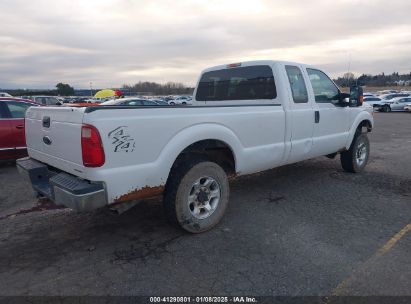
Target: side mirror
[344,100]
[356,96]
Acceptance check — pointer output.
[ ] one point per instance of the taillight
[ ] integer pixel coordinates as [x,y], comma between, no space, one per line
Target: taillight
[361,100]
[91,147]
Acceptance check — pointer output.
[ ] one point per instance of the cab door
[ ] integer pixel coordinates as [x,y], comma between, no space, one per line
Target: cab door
[16,111]
[331,121]
[302,115]
[7,150]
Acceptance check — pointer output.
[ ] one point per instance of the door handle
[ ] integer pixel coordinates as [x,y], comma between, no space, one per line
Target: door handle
[317,116]
[19,126]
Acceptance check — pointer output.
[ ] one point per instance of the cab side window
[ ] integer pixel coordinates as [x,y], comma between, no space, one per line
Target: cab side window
[297,84]
[324,89]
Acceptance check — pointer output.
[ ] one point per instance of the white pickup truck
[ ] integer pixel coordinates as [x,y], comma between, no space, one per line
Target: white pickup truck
[245,118]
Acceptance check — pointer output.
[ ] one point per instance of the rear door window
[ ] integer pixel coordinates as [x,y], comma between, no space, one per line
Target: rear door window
[297,84]
[240,83]
[17,109]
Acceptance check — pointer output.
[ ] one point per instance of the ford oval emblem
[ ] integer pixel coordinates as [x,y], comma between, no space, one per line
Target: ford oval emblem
[47,140]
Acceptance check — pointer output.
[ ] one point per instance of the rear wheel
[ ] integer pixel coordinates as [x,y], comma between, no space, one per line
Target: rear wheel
[355,159]
[196,195]
[386,108]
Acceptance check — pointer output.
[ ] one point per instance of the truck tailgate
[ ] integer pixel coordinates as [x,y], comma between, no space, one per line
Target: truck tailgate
[53,136]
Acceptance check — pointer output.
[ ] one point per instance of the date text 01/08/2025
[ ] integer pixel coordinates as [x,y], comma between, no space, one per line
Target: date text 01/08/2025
[240,299]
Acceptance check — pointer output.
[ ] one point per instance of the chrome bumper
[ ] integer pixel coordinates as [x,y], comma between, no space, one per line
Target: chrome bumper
[63,188]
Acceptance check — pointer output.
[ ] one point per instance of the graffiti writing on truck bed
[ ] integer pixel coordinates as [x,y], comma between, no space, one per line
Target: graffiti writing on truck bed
[121,140]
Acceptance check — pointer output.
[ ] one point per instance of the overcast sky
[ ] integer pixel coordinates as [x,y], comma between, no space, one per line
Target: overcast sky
[113,42]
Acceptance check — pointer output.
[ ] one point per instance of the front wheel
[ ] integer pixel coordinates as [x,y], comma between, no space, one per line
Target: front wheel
[386,108]
[355,159]
[196,195]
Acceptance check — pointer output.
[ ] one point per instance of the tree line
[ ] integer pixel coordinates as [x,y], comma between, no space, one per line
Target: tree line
[380,80]
[154,88]
[140,88]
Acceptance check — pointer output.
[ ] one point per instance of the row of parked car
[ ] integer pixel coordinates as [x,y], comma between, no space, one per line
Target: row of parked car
[148,100]
[392,101]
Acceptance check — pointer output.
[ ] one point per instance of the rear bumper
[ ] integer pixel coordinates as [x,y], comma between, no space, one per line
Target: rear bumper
[63,188]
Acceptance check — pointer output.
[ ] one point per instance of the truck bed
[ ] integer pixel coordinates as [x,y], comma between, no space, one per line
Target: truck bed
[147,140]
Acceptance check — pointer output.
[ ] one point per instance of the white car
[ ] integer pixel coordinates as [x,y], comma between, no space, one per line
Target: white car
[181,100]
[248,117]
[408,107]
[3,94]
[375,102]
[47,100]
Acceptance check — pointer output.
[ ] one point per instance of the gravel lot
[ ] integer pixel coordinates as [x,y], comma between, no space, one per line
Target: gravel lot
[303,229]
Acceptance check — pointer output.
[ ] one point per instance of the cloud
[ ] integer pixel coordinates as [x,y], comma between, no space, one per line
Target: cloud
[112,42]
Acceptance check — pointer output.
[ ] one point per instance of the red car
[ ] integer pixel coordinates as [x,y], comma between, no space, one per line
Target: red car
[12,137]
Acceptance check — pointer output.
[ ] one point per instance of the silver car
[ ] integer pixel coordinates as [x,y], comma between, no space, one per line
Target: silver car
[395,104]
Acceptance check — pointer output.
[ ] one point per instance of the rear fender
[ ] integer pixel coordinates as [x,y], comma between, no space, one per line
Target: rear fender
[195,134]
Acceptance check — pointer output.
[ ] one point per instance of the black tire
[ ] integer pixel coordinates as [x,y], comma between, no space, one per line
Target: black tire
[181,183]
[350,160]
[386,108]
[172,103]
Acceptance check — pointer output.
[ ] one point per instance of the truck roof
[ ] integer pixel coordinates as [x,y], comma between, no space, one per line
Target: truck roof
[251,63]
